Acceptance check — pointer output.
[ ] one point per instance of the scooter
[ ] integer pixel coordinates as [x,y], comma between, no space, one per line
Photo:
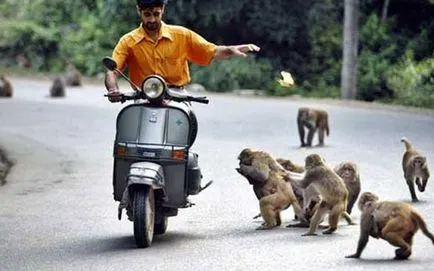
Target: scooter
[154,170]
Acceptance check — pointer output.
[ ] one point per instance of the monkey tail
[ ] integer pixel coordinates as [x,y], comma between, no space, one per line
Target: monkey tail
[422,225]
[407,143]
[326,126]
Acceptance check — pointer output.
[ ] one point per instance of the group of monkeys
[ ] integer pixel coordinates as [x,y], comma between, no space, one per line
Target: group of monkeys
[316,190]
[72,77]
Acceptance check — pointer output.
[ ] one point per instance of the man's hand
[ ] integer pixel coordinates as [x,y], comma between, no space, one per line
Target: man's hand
[114,96]
[224,52]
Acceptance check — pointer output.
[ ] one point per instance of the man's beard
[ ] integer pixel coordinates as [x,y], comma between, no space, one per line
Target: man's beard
[152,26]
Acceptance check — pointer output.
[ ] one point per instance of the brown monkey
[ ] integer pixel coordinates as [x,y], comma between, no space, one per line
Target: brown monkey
[5,87]
[307,198]
[415,169]
[58,88]
[260,167]
[72,76]
[313,120]
[395,222]
[349,172]
[334,194]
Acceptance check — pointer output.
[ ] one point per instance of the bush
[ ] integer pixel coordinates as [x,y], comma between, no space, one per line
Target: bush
[25,37]
[413,81]
[235,73]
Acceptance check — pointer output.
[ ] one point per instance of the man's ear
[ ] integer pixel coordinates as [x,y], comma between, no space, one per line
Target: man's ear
[138,10]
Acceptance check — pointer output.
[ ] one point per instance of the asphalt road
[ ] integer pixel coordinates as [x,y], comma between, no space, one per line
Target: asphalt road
[57,210]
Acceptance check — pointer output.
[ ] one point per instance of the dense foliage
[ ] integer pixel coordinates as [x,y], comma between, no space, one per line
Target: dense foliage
[396,53]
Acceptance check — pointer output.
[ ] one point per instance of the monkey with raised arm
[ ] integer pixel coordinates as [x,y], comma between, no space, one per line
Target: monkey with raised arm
[57,88]
[5,87]
[334,194]
[314,120]
[261,168]
[396,222]
[349,172]
[415,169]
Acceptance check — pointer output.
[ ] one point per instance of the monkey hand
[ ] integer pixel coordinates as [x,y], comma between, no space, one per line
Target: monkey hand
[353,256]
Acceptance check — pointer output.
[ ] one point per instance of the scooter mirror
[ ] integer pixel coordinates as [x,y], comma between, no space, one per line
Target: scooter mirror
[109,63]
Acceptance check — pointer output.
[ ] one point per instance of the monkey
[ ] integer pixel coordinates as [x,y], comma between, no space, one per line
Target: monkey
[58,88]
[313,120]
[5,87]
[415,169]
[5,166]
[23,61]
[72,76]
[332,189]
[349,172]
[260,167]
[393,221]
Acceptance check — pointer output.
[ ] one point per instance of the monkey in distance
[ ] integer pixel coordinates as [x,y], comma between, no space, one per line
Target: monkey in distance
[332,189]
[57,88]
[5,87]
[396,222]
[349,172]
[260,168]
[415,169]
[314,120]
[72,76]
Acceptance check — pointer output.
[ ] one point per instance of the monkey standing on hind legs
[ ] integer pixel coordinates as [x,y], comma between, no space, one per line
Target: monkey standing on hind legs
[395,222]
[415,169]
[334,194]
[277,195]
[313,120]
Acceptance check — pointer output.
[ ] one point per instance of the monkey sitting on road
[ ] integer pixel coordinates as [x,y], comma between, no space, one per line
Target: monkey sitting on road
[5,87]
[313,120]
[415,169]
[395,222]
[72,76]
[58,88]
[334,194]
[289,165]
[349,172]
[273,192]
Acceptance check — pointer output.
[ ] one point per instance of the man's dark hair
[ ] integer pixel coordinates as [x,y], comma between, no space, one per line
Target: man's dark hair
[151,3]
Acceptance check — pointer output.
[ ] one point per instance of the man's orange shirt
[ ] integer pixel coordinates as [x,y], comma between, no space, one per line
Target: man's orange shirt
[167,57]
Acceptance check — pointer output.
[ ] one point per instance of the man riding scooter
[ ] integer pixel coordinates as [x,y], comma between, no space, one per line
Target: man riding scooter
[159,48]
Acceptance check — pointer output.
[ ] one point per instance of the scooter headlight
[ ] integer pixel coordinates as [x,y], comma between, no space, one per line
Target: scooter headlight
[153,87]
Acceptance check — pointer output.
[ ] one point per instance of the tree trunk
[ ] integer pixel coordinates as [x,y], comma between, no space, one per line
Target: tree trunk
[384,11]
[350,44]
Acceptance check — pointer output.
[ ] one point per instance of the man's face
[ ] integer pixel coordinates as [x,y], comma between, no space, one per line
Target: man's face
[151,17]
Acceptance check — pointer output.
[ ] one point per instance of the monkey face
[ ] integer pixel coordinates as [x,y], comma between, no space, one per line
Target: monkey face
[365,198]
[246,156]
[347,172]
[419,162]
[313,160]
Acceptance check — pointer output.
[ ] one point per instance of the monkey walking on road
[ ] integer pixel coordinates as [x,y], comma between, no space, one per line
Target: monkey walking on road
[395,222]
[314,120]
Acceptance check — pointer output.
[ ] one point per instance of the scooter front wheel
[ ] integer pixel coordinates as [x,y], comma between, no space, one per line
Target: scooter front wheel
[144,216]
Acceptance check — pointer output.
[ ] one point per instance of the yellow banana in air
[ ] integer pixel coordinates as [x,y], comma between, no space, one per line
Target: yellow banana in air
[287,81]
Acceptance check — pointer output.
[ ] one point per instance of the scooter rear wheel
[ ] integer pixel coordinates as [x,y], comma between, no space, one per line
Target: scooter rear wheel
[144,216]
